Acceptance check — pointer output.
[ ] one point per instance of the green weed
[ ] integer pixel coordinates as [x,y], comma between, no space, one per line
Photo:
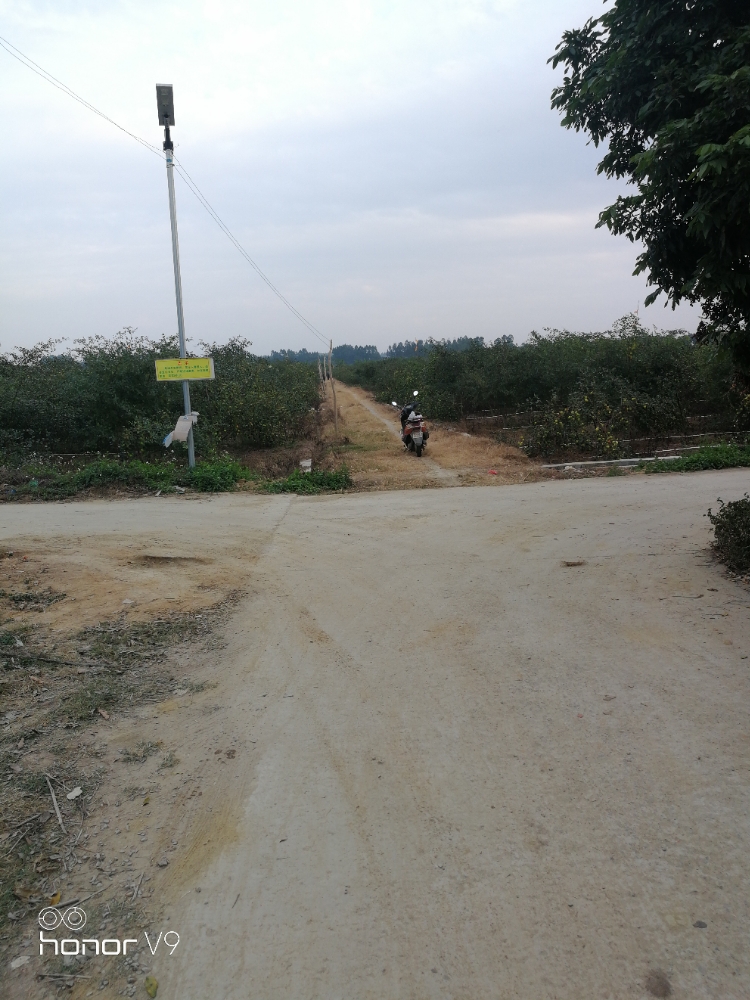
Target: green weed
[199,686]
[719,456]
[317,481]
[103,691]
[41,483]
[217,477]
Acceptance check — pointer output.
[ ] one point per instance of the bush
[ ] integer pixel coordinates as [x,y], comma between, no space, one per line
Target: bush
[316,481]
[732,533]
[216,477]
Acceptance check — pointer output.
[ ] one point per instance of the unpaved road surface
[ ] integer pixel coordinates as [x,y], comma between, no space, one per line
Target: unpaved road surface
[460,768]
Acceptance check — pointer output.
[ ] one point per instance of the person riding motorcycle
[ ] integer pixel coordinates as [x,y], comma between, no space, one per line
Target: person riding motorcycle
[406,411]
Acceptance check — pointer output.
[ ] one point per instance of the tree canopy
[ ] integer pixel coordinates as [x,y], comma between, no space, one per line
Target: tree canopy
[665,84]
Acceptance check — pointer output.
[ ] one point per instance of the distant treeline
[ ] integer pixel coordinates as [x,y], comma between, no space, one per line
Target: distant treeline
[103,396]
[348,354]
[587,391]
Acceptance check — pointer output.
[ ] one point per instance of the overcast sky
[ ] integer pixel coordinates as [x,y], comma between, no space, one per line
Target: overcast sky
[392,165]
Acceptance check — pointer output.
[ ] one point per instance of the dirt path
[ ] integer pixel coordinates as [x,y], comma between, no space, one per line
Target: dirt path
[389,419]
[376,456]
[462,743]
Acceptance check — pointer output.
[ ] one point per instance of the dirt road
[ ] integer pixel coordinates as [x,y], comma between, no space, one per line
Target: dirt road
[463,743]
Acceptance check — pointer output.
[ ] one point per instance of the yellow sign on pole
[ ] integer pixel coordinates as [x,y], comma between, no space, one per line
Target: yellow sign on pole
[180,369]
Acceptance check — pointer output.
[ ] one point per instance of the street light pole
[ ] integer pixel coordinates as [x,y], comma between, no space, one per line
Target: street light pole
[165,104]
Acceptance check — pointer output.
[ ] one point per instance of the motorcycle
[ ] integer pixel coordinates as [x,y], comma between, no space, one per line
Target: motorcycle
[414,431]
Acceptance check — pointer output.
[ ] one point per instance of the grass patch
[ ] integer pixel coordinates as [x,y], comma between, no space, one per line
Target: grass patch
[317,481]
[732,533]
[101,692]
[115,639]
[33,782]
[43,483]
[718,456]
[217,477]
[41,598]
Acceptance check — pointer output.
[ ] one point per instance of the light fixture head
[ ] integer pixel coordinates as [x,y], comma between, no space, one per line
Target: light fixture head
[165,103]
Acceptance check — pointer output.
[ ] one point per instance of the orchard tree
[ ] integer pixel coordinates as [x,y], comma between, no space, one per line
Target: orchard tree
[665,86]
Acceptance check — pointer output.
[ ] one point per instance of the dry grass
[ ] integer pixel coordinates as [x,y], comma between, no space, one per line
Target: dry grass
[454,449]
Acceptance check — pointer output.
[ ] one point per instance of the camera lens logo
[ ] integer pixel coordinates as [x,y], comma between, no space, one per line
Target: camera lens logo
[74,918]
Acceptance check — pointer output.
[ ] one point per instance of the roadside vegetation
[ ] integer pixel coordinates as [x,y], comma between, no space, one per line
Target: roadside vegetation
[662,88]
[316,481]
[38,481]
[720,456]
[94,419]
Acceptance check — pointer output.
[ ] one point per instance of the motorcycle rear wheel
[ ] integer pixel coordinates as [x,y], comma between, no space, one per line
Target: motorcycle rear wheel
[419,451]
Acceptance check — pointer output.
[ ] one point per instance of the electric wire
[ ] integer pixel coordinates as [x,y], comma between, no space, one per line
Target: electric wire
[207,206]
[192,186]
[36,68]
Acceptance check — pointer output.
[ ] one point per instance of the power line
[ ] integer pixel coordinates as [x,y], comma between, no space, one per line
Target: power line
[205,203]
[193,187]
[36,68]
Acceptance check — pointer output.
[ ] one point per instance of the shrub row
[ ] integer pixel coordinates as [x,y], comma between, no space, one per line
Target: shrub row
[587,393]
[103,396]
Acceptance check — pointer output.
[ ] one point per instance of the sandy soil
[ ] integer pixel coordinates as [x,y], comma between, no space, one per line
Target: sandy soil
[106,572]
[462,742]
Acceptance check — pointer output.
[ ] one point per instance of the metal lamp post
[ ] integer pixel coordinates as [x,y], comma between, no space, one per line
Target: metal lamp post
[165,106]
